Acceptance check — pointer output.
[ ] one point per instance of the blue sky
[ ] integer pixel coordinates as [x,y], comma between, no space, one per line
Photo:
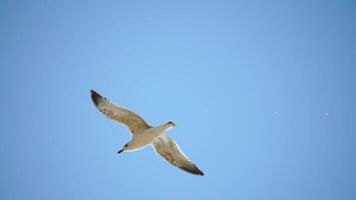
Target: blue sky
[263,95]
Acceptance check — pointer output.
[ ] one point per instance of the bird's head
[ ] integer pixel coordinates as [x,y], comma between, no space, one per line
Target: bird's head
[171,124]
[124,148]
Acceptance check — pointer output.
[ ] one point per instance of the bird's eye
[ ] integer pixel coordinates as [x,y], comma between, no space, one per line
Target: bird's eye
[126,145]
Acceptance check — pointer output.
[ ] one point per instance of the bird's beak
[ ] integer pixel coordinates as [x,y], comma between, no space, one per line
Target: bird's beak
[120,151]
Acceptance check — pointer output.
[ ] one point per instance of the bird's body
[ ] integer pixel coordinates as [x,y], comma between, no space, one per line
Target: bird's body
[146,137]
[144,134]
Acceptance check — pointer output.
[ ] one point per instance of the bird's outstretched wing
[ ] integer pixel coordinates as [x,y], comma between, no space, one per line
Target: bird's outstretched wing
[169,150]
[133,121]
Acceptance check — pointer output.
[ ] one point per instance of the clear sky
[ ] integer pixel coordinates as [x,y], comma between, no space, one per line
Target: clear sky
[263,95]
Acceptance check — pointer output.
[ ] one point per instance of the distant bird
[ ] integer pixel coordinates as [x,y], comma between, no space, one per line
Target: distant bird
[144,134]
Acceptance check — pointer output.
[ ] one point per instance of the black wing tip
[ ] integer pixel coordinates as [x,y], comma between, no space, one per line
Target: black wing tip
[195,170]
[95,97]
[199,172]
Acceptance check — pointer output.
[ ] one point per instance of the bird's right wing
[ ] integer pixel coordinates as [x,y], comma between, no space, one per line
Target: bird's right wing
[166,147]
[130,119]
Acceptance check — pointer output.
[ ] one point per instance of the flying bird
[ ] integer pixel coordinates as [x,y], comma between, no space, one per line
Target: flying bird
[144,134]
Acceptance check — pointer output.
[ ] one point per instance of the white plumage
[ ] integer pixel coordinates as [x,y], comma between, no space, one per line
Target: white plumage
[144,134]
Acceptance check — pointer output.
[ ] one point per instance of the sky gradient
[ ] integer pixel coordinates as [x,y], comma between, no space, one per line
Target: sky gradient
[263,95]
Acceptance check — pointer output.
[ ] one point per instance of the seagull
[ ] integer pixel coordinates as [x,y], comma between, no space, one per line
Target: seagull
[144,134]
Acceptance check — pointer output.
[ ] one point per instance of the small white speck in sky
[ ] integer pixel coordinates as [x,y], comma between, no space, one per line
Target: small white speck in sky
[275,112]
[326,113]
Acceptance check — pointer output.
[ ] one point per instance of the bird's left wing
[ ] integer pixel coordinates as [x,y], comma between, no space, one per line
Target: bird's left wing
[132,120]
[166,147]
